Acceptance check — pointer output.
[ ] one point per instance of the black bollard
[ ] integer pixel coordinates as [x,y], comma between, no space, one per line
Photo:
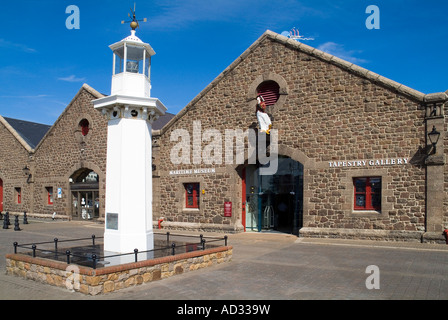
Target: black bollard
[5,224]
[25,218]
[16,224]
[7,218]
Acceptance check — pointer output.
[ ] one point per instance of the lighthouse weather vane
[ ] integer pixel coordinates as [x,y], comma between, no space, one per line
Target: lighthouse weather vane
[134,22]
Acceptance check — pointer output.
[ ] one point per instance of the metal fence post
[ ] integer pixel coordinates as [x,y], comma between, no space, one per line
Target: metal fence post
[68,256]
[93,239]
[136,254]
[94,260]
[56,244]
[15,247]
[225,241]
[173,246]
[34,250]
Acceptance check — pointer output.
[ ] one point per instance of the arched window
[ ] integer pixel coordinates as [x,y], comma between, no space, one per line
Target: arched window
[269,90]
[84,124]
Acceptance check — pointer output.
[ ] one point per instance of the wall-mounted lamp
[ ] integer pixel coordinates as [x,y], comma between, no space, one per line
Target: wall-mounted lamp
[434,136]
[27,172]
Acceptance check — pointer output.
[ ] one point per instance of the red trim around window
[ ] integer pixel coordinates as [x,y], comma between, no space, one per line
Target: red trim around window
[367,193]
[19,195]
[50,195]
[84,127]
[192,195]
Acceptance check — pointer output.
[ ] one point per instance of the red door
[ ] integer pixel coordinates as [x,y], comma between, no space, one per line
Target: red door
[1,195]
[243,214]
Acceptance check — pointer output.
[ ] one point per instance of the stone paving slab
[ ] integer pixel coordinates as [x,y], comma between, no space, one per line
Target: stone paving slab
[265,266]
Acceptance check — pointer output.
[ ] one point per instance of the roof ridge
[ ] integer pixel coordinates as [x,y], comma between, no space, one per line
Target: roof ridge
[32,122]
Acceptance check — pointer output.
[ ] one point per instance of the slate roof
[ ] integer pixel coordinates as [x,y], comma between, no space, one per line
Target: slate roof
[31,132]
[162,121]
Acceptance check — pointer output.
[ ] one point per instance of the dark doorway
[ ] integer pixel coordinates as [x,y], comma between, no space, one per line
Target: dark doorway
[274,202]
[84,187]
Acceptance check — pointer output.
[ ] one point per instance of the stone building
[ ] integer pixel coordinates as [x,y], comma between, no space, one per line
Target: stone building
[349,155]
[60,168]
[354,155]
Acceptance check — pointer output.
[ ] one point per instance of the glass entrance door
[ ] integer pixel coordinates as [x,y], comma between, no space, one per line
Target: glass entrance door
[251,177]
[84,185]
[85,205]
[275,202]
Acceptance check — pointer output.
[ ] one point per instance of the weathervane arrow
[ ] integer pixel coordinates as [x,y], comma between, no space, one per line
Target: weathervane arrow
[134,22]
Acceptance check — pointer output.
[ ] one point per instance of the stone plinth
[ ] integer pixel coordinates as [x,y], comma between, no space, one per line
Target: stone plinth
[91,281]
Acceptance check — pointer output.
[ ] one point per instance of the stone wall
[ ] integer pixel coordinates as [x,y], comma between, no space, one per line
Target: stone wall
[15,155]
[109,279]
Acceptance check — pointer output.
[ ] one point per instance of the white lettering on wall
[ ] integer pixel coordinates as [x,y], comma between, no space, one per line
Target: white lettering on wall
[368,163]
[193,171]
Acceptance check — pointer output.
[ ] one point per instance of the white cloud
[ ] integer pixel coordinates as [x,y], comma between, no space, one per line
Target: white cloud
[15,46]
[339,51]
[26,97]
[72,78]
[177,14]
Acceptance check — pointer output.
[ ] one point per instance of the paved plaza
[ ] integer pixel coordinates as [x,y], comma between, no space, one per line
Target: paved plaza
[265,266]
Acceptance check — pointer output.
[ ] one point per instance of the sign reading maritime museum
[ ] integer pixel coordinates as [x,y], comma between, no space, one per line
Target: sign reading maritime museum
[368,163]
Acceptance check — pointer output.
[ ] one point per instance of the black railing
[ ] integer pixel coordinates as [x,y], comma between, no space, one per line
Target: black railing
[94,257]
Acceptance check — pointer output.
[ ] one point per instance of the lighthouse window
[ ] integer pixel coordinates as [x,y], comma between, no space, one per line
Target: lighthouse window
[147,65]
[119,60]
[132,66]
[135,59]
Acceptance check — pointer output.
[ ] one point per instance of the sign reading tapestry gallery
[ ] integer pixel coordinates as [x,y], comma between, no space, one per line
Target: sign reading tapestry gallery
[369,163]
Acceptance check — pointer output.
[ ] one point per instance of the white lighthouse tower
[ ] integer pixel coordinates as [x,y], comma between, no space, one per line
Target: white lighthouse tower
[130,110]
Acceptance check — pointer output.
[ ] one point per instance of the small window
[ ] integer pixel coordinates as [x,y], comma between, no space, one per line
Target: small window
[192,195]
[84,125]
[367,193]
[18,195]
[49,191]
[270,91]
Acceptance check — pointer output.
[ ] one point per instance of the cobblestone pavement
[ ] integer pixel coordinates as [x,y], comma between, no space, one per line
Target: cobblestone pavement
[265,266]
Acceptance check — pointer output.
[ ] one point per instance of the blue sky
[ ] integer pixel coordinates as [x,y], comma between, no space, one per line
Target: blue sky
[43,64]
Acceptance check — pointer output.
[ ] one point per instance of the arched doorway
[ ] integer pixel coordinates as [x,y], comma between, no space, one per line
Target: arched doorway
[274,202]
[84,188]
